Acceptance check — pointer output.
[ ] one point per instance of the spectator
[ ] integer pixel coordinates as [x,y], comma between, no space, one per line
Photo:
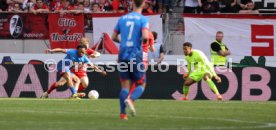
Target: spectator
[28,4]
[249,9]
[54,4]
[3,5]
[154,6]
[228,6]
[87,7]
[210,6]
[65,7]
[242,3]
[76,4]
[180,26]
[39,7]
[105,6]
[15,8]
[158,54]
[96,8]
[147,8]
[192,6]
[121,10]
[162,5]
[122,4]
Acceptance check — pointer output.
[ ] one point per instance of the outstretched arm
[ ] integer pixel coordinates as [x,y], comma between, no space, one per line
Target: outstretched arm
[56,50]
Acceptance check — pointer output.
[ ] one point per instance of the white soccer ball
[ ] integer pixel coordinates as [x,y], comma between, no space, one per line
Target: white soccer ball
[93,94]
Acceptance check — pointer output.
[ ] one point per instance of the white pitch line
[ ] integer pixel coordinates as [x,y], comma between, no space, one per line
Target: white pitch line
[257,125]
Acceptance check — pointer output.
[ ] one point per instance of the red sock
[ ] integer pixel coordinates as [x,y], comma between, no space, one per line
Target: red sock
[81,88]
[132,88]
[53,86]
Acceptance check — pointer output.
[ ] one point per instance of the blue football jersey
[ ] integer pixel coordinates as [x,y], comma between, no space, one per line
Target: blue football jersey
[130,27]
[72,55]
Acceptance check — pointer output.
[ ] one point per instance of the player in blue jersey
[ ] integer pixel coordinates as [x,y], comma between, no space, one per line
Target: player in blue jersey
[74,58]
[133,28]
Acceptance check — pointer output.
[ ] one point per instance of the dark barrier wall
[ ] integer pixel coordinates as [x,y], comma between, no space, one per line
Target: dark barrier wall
[248,83]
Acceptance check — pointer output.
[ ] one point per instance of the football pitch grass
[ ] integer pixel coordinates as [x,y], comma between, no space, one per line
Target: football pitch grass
[103,114]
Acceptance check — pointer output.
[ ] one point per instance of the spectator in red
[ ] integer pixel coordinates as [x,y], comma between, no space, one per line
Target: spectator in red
[105,6]
[3,5]
[210,6]
[147,8]
[77,3]
[39,7]
[118,5]
[65,7]
[54,4]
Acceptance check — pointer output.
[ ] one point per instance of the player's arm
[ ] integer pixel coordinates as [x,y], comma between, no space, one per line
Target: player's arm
[161,55]
[56,50]
[43,10]
[115,35]
[97,69]
[189,70]
[145,35]
[95,55]
[151,42]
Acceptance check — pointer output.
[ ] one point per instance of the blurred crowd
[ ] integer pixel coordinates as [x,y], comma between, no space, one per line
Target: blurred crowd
[82,6]
[219,6]
[123,6]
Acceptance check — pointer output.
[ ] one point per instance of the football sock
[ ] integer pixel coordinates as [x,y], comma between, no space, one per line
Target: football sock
[53,86]
[81,88]
[137,92]
[73,90]
[212,86]
[186,90]
[123,95]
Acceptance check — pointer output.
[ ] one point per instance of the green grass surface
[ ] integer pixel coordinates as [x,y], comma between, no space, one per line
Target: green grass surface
[63,114]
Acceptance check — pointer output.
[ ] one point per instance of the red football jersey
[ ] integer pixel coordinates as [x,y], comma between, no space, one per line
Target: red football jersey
[89,51]
[150,42]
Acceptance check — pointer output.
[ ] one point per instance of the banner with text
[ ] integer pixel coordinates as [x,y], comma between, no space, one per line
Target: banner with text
[240,83]
[65,31]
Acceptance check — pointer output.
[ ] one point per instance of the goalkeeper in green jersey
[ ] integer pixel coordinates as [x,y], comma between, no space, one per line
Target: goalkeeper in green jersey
[198,67]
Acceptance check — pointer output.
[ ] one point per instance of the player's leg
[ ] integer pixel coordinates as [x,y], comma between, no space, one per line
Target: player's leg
[208,79]
[54,86]
[186,87]
[70,84]
[84,82]
[138,77]
[123,96]
[125,85]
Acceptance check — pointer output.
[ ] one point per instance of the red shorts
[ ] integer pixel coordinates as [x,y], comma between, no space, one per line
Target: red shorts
[80,74]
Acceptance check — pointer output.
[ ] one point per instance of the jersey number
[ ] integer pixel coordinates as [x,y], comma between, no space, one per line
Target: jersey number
[131,24]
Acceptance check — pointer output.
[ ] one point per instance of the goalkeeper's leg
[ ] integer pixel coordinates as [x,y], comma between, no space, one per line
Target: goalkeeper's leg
[211,84]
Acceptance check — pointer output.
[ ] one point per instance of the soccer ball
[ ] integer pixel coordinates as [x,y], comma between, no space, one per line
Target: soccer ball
[93,94]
